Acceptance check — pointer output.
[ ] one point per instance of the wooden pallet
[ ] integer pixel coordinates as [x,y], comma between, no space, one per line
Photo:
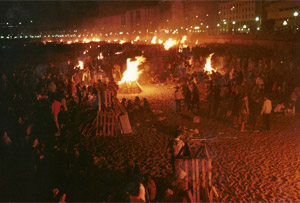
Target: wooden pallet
[198,178]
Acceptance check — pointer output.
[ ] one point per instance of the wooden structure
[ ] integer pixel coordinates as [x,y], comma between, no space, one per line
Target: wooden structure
[194,170]
[107,122]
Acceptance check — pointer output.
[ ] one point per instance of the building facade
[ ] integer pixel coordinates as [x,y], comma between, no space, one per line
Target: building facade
[241,16]
[284,15]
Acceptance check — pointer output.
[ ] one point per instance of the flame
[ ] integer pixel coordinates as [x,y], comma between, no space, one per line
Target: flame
[100,57]
[80,65]
[131,74]
[183,39]
[169,43]
[208,67]
[153,41]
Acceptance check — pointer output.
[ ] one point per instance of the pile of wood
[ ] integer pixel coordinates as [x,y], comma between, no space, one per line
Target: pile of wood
[111,119]
[196,167]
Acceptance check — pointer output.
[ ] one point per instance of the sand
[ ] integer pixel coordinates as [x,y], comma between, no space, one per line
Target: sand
[263,166]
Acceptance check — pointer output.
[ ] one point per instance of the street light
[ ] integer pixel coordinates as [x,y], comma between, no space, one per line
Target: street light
[233,22]
[284,23]
[257,19]
[296,13]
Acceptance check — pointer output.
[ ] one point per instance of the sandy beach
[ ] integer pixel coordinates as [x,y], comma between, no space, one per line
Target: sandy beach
[262,166]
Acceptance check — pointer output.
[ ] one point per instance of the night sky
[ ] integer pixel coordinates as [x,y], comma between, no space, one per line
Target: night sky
[58,14]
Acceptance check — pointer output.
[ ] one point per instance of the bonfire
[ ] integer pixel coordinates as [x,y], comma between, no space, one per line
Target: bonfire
[129,83]
[208,68]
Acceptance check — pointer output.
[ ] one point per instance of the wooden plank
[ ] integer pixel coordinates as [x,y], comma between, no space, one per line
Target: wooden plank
[197,181]
[203,173]
[209,173]
[186,169]
[104,123]
[194,179]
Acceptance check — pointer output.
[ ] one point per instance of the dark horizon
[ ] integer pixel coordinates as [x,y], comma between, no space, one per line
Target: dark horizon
[63,14]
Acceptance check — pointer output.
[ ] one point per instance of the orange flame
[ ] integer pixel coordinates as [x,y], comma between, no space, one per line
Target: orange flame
[132,73]
[169,43]
[208,67]
[153,41]
[80,65]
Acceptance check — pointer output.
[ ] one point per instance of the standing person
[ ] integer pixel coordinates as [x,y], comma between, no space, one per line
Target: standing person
[195,97]
[55,110]
[266,111]
[178,98]
[244,112]
[174,147]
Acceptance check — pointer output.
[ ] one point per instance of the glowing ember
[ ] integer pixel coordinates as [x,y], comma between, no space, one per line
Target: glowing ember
[80,65]
[131,74]
[153,41]
[208,67]
[169,43]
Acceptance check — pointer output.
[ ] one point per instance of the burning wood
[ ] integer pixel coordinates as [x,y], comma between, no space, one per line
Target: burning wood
[208,67]
[80,65]
[169,43]
[128,83]
[153,41]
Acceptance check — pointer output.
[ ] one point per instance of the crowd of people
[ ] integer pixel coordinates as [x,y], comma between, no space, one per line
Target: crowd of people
[41,152]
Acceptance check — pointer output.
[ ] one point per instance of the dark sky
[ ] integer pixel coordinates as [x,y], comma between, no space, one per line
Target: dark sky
[57,14]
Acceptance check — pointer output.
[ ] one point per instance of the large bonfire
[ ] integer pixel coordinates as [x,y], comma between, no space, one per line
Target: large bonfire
[208,68]
[129,83]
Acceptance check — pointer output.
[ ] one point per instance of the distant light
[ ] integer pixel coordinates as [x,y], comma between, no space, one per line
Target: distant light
[218,25]
[296,13]
[245,26]
[207,26]
[232,8]
[196,27]
[233,22]
[20,23]
[196,16]
[187,29]
[7,23]
[206,14]
[31,21]
[219,12]
[225,23]
[257,19]
[258,28]
[284,23]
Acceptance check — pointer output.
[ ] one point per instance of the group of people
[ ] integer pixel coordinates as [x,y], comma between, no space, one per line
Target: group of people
[248,87]
[41,147]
